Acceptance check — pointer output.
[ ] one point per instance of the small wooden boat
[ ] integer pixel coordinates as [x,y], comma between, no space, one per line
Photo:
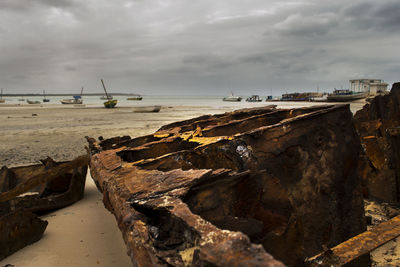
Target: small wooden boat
[135,98]
[71,101]
[77,99]
[254,98]
[44,97]
[110,103]
[33,101]
[146,109]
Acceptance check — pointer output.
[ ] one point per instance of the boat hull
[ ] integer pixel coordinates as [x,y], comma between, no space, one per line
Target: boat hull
[135,98]
[71,101]
[32,102]
[110,103]
[345,98]
[227,99]
[146,109]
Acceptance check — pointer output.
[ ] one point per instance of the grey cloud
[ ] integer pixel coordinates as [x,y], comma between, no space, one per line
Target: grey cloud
[189,46]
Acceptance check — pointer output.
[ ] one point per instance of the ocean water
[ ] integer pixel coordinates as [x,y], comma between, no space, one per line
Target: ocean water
[213,102]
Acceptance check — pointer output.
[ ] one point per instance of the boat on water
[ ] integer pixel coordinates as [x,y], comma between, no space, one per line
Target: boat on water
[1,97]
[21,99]
[138,97]
[146,109]
[44,97]
[254,98]
[33,101]
[232,98]
[110,103]
[346,95]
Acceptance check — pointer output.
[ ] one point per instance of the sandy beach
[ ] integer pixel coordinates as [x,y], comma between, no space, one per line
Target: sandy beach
[84,234]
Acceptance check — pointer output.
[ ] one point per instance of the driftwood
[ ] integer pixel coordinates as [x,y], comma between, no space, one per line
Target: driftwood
[235,188]
[36,188]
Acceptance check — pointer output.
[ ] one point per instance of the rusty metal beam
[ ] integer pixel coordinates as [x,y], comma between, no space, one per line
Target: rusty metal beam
[357,246]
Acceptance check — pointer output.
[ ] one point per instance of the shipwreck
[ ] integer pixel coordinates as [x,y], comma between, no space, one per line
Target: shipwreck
[30,190]
[257,187]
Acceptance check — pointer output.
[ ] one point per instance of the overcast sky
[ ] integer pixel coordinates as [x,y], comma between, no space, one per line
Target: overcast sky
[204,47]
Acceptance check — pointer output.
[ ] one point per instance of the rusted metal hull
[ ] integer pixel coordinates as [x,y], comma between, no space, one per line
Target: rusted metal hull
[378,125]
[19,229]
[280,180]
[36,188]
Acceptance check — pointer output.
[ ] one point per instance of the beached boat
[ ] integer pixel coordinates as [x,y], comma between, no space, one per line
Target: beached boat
[44,97]
[146,109]
[110,103]
[346,95]
[296,97]
[135,98]
[232,98]
[1,97]
[76,100]
[254,98]
[33,101]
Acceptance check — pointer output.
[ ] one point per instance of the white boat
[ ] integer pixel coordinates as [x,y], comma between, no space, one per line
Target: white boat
[146,109]
[232,98]
[77,99]
[346,96]
[104,97]
[71,101]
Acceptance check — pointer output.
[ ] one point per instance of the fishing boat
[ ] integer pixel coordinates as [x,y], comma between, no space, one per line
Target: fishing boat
[254,98]
[1,97]
[44,97]
[346,95]
[138,97]
[33,101]
[232,98]
[76,99]
[146,109]
[110,103]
